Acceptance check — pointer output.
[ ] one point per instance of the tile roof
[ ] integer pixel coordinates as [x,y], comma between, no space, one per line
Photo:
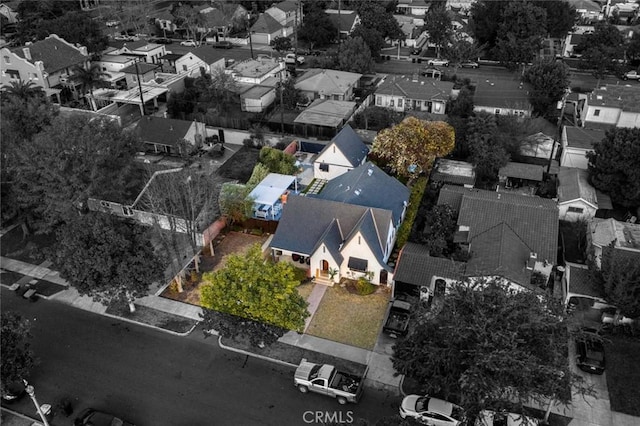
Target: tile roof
[573,184]
[286,6]
[522,171]
[162,131]
[578,137]
[350,144]
[453,171]
[579,282]
[135,45]
[416,88]
[368,186]
[266,24]
[452,196]
[327,82]
[502,93]
[326,112]
[416,267]
[54,52]
[625,97]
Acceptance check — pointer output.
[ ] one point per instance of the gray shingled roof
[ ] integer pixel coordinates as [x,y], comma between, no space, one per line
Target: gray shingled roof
[452,195]
[350,144]
[54,54]
[416,267]
[581,283]
[578,137]
[266,24]
[367,186]
[522,171]
[162,131]
[573,184]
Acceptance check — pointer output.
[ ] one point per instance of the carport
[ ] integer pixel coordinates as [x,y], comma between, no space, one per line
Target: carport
[269,195]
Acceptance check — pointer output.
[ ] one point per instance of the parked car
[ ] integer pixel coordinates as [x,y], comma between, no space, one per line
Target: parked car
[161,40]
[631,75]
[503,418]
[113,23]
[431,71]
[291,58]
[469,64]
[189,43]
[13,391]
[224,44]
[590,352]
[438,62]
[431,411]
[328,380]
[397,323]
[124,38]
[91,417]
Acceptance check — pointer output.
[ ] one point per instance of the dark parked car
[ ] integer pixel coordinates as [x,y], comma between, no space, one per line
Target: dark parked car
[222,44]
[590,352]
[161,40]
[397,323]
[14,391]
[91,417]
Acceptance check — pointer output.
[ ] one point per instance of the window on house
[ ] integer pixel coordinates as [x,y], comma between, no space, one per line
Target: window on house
[356,264]
[184,68]
[378,100]
[497,111]
[7,60]
[575,210]
[391,102]
[418,104]
[105,204]
[135,78]
[596,113]
[359,240]
[104,68]
[400,102]
[436,107]
[324,167]
[127,211]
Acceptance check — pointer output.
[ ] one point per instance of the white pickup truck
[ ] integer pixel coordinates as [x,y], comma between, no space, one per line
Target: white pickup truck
[327,380]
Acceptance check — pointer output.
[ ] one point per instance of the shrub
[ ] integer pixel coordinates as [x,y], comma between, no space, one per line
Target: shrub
[364,286]
[417,191]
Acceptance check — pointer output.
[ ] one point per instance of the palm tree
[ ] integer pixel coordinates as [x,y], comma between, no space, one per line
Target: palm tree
[88,78]
[23,89]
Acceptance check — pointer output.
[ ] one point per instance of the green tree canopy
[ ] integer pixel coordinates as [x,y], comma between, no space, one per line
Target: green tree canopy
[107,258]
[438,25]
[281,44]
[601,49]
[355,56]
[278,161]
[256,289]
[411,146]
[613,165]
[520,33]
[486,344]
[549,80]
[17,357]
[619,277]
[234,203]
[317,29]
[487,153]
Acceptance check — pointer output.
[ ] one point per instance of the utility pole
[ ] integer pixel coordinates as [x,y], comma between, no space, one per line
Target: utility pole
[140,89]
[281,104]
[295,31]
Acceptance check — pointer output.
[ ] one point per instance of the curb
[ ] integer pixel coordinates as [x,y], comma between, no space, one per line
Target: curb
[22,416]
[265,358]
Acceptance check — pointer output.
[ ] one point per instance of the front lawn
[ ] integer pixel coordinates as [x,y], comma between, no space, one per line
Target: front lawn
[623,374]
[350,318]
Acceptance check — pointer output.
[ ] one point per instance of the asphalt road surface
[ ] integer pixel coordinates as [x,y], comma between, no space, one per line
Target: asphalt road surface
[152,378]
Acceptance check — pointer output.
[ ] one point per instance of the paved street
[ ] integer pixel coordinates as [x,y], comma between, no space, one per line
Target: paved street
[153,378]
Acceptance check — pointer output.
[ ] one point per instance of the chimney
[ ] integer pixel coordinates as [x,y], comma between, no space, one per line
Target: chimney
[531,263]
[27,53]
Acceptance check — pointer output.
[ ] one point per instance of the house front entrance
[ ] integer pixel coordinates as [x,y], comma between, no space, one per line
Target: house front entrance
[322,273]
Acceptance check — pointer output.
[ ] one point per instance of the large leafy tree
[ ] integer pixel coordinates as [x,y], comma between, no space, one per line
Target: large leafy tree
[520,33]
[355,56]
[488,345]
[487,153]
[17,356]
[411,146]
[34,15]
[459,50]
[619,277]
[70,160]
[88,78]
[317,29]
[256,289]
[281,44]
[233,202]
[377,24]
[485,20]
[77,27]
[438,25]
[107,258]
[549,80]
[191,20]
[601,49]
[613,165]
[439,227]
[290,95]
[561,17]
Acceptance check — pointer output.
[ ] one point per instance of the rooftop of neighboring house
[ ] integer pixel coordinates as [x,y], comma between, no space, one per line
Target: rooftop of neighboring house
[579,137]
[266,24]
[54,52]
[326,113]
[207,54]
[533,219]
[162,131]
[586,5]
[414,3]
[140,68]
[367,186]
[538,145]
[580,283]
[308,222]
[255,91]
[453,171]
[573,184]
[414,87]
[286,6]
[137,45]
[327,81]
[416,266]
[626,98]
[522,171]
[253,68]
[502,93]
[350,144]
[162,15]
[604,231]
[344,20]
[117,59]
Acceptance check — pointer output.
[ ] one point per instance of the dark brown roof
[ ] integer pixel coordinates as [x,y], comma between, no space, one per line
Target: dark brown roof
[416,267]
[54,53]
[502,93]
[142,68]
[162,131]
[418,88]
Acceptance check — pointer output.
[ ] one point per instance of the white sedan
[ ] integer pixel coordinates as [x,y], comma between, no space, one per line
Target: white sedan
[438,62]
[190,43]
[431,411]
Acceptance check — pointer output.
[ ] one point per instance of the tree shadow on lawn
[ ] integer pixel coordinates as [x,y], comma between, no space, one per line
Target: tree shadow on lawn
[32,248]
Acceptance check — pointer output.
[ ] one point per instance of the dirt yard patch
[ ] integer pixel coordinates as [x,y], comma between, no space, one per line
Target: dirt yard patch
[240,165]
[350,318]
[231,243]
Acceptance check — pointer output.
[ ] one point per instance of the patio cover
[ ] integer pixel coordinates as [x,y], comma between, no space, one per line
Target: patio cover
[271,188]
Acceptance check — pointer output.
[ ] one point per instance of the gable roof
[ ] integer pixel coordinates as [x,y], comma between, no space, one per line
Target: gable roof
[413,88]
[206,54]
[343,21]
[627,98]
[578,137]
[604,231]
[162,131]
[522,171]
[326,112]
[286,6]
[327,82]
[367,186]
[135,45]
[305,223]
[502,93]
[453,171]
[573,184]
[54,52]
[140,67]
[350,144]
[266,24]
[416,267]
[587,5]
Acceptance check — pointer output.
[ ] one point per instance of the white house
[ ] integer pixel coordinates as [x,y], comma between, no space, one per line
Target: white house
[258,71]
[345,152]
[149,52]
[203,57]
[612,105]
[413,93]
[576,142]
[257,98]
[577,199]
[318,83]
[413,7]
